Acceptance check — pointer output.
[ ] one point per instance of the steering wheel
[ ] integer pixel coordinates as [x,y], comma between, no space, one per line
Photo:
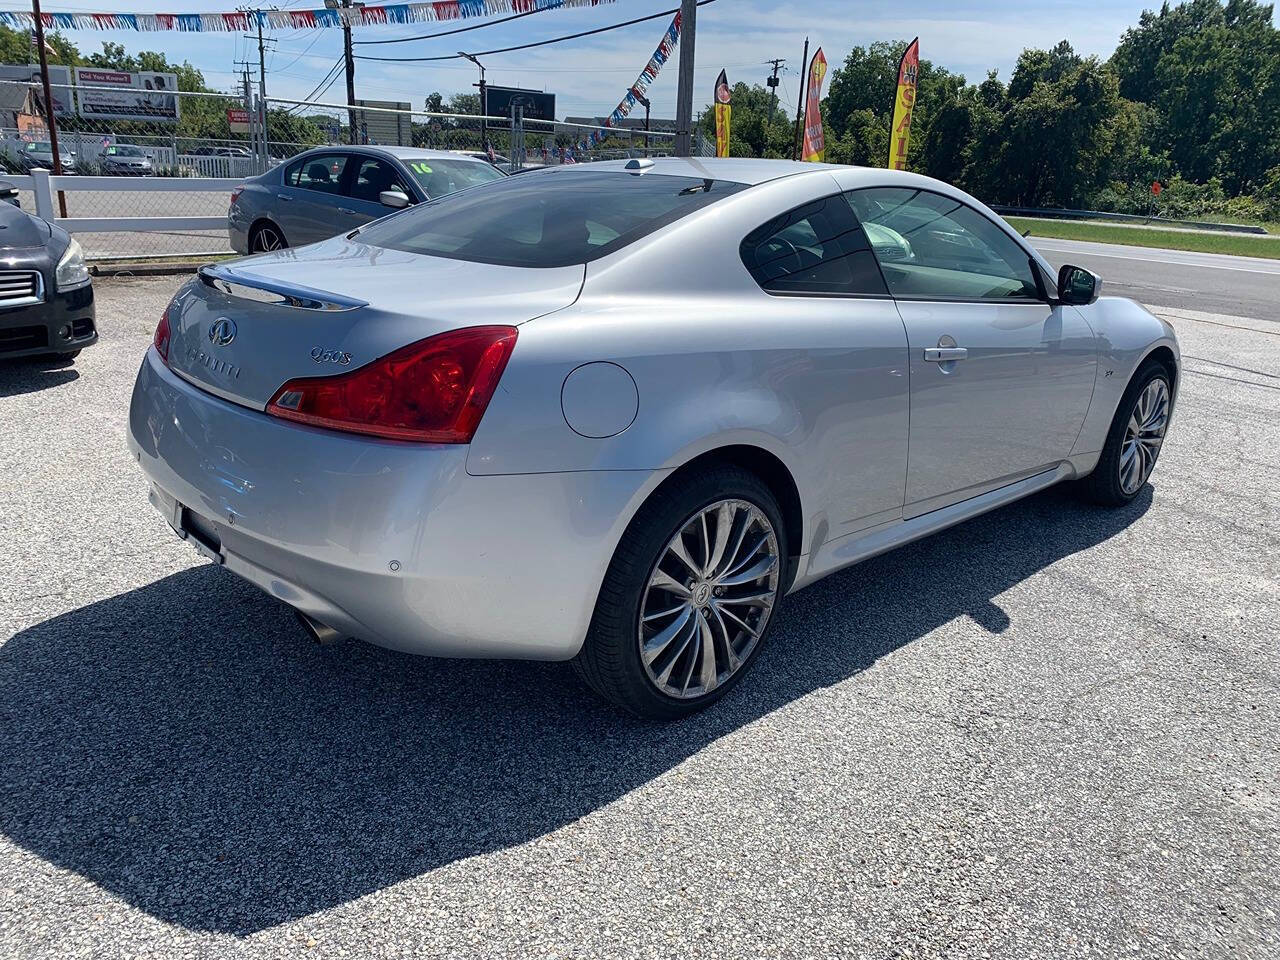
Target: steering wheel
[782,255]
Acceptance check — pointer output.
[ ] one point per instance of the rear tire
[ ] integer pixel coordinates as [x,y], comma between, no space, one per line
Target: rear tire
[265,237]
[720,530]
[1134,440]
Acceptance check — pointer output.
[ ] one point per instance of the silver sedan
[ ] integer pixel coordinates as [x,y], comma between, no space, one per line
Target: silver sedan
[614,413]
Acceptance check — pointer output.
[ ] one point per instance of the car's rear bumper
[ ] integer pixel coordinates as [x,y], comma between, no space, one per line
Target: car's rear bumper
[391,542]
[64,322]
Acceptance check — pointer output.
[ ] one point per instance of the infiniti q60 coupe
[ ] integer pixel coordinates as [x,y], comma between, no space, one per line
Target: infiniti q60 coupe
[613,413]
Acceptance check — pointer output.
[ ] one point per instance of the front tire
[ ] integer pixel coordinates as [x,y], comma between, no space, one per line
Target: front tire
[689,596]
[1134,441]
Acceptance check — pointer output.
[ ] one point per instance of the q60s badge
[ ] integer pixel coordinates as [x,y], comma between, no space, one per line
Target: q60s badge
[321,355]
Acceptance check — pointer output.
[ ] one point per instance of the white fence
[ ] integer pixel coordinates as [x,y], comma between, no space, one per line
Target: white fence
[130,217]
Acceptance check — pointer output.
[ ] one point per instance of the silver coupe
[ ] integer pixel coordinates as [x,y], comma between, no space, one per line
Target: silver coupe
[614,412]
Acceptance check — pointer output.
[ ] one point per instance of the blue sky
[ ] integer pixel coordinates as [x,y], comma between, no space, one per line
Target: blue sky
[590,75]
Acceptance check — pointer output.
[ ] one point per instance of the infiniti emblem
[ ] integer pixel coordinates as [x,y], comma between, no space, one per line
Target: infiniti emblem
[222,331]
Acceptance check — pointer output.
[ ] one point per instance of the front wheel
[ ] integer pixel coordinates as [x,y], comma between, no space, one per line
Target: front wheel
[689,596]
[1134,441]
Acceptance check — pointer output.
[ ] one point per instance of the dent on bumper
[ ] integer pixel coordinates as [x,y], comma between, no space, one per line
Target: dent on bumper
[391,542]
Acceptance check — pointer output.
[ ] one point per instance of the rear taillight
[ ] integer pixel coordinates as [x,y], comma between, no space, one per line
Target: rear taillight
[235,194]
[161,339]
[432,391]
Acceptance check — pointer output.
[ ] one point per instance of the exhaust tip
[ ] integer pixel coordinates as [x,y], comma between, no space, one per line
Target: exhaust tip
[321,633]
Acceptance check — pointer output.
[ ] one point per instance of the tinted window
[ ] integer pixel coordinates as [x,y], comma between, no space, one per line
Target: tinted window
[932,246]
[322,172]
[817,248]
[372,178]
[548,219]
[440,177]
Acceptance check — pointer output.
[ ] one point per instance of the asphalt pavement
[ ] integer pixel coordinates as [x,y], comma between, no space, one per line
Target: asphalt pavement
[1053,731]
[1214,282]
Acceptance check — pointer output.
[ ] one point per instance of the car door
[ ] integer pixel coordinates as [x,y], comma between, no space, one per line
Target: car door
[309,202]
[1001,376]
[850,369]
[368,177]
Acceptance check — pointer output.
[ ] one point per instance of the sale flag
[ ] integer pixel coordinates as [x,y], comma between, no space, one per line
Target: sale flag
[723,113]
[904,102]
[814,147]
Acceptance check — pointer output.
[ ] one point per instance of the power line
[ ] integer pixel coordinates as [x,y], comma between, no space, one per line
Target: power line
[540,43]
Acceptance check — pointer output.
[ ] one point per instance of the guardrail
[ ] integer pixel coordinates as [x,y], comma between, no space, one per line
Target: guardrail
[1053,213]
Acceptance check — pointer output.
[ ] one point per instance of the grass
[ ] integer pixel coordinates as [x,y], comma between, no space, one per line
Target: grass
[1241,245]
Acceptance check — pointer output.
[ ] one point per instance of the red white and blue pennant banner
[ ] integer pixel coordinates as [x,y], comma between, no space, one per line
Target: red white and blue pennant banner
[242,20]
[638,89]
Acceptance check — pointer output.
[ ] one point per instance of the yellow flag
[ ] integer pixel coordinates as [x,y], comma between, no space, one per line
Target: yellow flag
[904,102]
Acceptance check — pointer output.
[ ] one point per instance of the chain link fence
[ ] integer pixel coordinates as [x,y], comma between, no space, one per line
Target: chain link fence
[157,138]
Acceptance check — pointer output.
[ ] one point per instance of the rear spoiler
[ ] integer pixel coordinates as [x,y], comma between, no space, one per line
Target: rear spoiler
[260,290]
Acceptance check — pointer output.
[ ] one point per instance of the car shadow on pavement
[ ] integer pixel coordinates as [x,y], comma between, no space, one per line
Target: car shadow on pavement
[31,376]
[185,748]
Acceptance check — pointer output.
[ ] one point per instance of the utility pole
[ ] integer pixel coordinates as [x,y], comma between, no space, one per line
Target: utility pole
[684,94]
[772,84]
[48,104]
[351,74]
[804,81]
[262,93]
[484,106]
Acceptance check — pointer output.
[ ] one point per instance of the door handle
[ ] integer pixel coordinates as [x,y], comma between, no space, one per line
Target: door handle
[944,354]
[284,196]
[347,210]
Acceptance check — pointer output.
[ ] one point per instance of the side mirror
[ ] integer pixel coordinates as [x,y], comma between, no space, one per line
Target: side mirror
[1078,286]
[394,199]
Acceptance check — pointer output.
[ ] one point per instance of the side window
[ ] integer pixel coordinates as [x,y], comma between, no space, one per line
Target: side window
[817,248]
[372,178]
[934,247]
[322,173]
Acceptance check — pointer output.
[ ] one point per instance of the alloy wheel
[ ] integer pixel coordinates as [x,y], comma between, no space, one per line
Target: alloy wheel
[1144,435]
[267,239]
[709,599]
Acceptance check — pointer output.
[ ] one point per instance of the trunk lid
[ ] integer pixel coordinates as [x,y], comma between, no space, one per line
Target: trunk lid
[242,329]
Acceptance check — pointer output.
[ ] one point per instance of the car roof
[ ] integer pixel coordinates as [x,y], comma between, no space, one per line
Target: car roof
[747,170]
[400,153]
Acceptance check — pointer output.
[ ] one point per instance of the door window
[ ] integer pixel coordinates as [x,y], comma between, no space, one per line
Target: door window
[933,247]
[372,178]
[321,173]
[817,248]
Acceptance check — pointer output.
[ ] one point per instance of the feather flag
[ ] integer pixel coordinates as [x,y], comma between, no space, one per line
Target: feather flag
[904,101]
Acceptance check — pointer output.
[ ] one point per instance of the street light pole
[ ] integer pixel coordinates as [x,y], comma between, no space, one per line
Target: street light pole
[684,94]
[484,129]
[644,101]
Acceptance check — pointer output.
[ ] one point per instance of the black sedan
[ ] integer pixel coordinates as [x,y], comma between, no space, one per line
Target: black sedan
[46,294]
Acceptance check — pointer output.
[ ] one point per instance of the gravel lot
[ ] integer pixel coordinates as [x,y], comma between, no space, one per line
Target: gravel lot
[1053,731]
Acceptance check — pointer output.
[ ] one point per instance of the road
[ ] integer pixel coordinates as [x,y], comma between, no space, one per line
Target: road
[1051,732]
[1240,286]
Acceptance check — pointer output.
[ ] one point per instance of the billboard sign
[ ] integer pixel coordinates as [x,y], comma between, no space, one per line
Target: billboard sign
[238,119]
[537,105]
[59,84]
[115,95]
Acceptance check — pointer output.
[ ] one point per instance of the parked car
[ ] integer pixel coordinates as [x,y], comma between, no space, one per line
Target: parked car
[46,294]
[9,194]
[332,190]
[212,151]
[615,413]
[126,160]
[38,155]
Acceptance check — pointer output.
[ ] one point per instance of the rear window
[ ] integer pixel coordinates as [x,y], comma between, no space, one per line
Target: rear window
[552,219]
